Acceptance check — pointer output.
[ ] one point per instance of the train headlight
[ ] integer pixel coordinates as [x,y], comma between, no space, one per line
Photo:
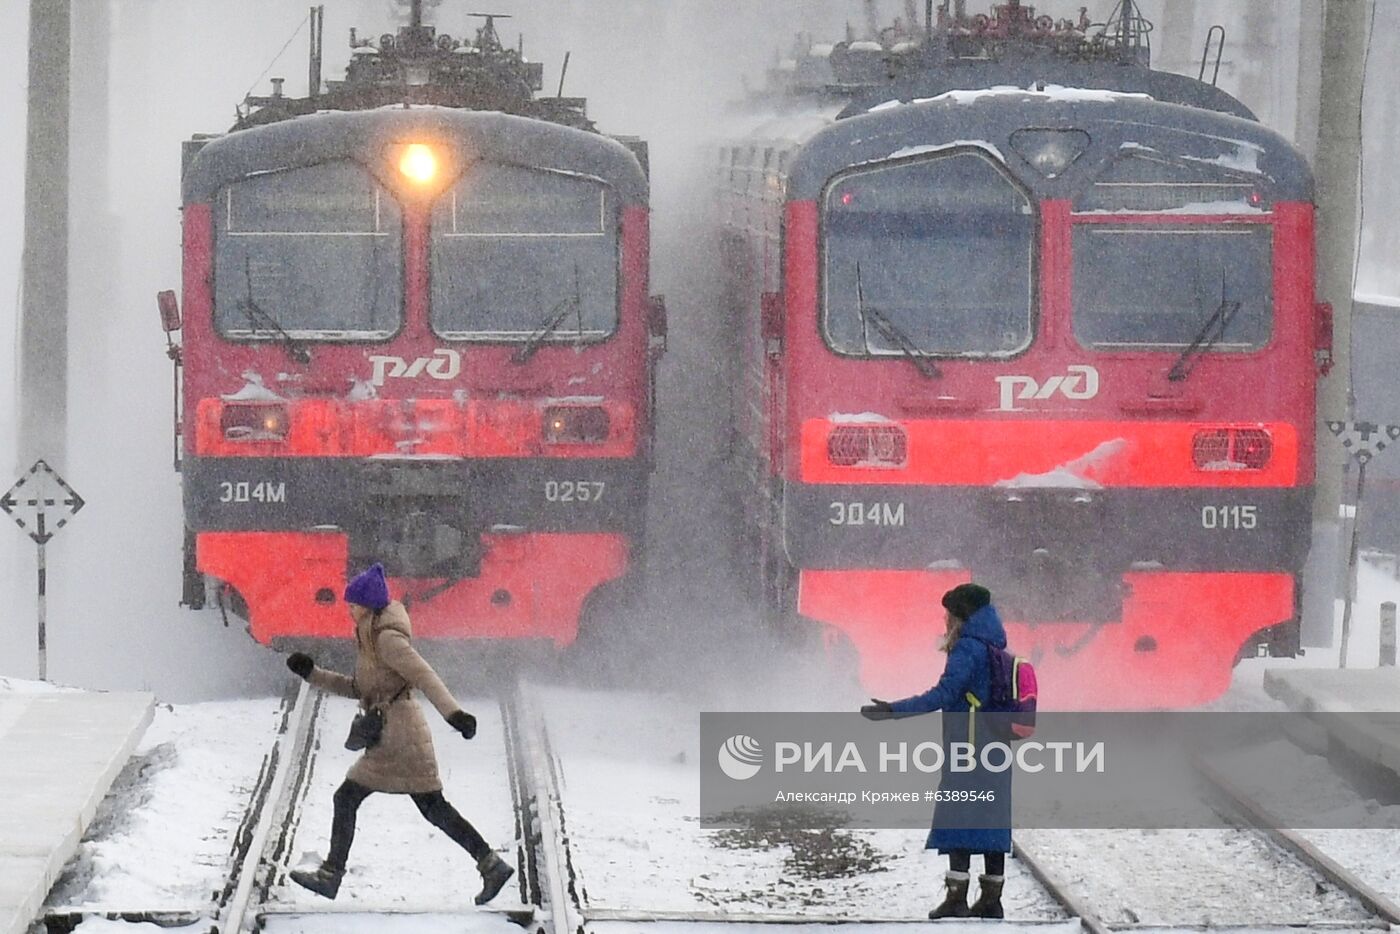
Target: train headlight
[1050,151]
[419,163]
[576,424]
[1232,449]
[867,446]
[261,421]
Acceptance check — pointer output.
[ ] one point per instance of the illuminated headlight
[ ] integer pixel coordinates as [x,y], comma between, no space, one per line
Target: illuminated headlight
[255,422]
[418,163]
[576,425]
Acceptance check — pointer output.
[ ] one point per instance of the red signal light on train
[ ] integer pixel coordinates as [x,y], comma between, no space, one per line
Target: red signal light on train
[418,163]
[576,424]
[1232,449]
[867,446]
[259,421]
[847,198]
[1253,448]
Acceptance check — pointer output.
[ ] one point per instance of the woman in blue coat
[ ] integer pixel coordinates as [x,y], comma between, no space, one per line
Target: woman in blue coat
[972,625]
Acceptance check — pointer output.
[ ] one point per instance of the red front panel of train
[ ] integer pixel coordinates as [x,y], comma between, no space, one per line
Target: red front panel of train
[357,389]
[1139,512]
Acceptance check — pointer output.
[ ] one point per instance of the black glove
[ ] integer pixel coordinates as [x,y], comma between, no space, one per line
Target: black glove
[877,710]
[301,664]
[463,723]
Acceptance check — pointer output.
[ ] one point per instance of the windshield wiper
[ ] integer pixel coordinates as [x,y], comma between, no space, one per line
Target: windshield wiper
[261,320]
[892,333]
[551,322]
[1210,333]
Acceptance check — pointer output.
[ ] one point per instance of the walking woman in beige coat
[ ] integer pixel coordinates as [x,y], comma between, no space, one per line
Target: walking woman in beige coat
[387,672]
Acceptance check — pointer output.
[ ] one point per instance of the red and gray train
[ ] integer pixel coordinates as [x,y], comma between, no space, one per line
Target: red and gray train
[1011,306]
[417,329]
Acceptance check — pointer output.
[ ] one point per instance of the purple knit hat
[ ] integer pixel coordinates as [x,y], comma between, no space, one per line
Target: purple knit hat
[369,588]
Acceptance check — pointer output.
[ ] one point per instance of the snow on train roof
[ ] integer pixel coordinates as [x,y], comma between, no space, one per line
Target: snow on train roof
[362,135]
[1048,92]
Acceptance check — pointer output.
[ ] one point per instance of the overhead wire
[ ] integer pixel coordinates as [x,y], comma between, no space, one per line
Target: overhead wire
[278,57]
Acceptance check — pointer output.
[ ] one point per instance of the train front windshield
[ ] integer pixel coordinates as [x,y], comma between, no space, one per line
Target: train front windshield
[518,250]
[1159,286]
[315,252]
[939,251]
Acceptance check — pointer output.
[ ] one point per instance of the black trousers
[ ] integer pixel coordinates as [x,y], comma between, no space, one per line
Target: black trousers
[961,861]
[432,805]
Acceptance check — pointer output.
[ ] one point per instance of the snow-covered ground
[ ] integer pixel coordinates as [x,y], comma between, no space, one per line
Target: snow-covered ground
[163,838]
[630,780]
[628,767]
[1376,583]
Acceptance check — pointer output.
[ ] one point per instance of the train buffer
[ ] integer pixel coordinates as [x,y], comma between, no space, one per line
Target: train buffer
[1352,712]
[61,752]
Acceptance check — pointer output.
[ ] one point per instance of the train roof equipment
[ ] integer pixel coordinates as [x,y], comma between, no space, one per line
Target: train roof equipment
[419,65]
[1010,47]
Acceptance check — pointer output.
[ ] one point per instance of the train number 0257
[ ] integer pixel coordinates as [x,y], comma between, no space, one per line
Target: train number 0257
[1229,517]
[262,491]
[886,514]
[573,491]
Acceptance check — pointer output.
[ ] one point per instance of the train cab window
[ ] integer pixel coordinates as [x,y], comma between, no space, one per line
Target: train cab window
[1144,286]
[315,252]
[1144,182]
[519,252]
[934,255]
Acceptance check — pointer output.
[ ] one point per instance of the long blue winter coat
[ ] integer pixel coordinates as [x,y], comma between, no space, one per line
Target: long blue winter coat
[968,671]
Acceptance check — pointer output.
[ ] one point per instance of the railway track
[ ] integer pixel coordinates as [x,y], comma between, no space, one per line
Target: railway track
[550,884]
[1251,819]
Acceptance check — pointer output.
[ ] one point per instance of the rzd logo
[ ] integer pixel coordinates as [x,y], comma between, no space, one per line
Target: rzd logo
[443,364]
[1082,382]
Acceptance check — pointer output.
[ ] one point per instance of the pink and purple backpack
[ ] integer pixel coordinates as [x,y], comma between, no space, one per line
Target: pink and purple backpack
[1013,691]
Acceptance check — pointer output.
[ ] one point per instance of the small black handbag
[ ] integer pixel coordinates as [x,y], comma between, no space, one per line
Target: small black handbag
[367,729]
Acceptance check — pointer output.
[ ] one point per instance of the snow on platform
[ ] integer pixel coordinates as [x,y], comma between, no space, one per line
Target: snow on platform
[61,752]
[1359,709]
[1335,690]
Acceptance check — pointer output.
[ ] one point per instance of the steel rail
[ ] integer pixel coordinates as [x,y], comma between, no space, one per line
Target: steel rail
[539,774]
[270,807]
[1265,822]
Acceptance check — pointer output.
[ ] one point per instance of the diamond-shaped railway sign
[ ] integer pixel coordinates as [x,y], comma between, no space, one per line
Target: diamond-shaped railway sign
[41,502]
[1364,440]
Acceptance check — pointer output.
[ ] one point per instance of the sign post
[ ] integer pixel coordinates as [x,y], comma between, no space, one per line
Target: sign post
[1362,441]
[41,502]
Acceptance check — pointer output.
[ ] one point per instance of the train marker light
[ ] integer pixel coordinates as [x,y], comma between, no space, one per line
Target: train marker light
[255,422]
[867,446]
[1232,449]
[575,424]
[419,163]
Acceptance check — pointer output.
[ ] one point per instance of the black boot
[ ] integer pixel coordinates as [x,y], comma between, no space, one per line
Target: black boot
[495,873]
[989,899]
[324,881]
[955,904]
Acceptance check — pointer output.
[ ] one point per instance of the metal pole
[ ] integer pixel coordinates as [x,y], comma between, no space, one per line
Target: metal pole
[1388,634]
[43,398]
[43,607]
[1350,597]
[1338,185]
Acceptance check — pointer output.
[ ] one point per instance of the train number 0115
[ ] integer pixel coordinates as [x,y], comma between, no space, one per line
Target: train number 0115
[1229,517]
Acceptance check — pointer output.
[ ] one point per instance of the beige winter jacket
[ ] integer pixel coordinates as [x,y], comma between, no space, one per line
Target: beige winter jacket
[404,761]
